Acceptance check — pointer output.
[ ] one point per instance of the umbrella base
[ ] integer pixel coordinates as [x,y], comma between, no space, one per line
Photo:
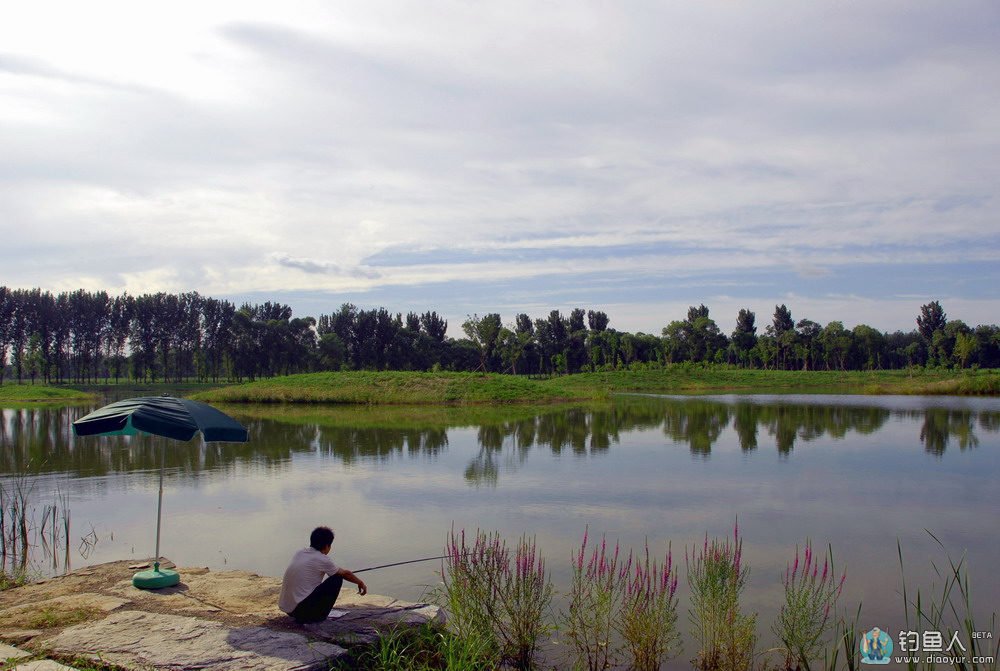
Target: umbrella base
[156,579]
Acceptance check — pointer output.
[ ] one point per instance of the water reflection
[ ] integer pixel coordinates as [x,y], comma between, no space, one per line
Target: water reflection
[940,425]
[41,439]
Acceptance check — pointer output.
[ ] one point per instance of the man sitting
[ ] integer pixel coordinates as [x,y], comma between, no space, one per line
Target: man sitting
[305,595]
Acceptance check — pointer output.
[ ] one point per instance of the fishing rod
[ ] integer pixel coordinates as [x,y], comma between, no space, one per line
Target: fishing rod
[400,563]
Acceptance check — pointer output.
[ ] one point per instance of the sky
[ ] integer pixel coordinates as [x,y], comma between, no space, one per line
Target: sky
[842,158]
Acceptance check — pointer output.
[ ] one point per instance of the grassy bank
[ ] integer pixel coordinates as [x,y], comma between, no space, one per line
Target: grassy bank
[391,387]
[686,379]
[39,393]
[402,388]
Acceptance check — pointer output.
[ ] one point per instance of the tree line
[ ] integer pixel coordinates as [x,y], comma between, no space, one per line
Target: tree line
[85,337]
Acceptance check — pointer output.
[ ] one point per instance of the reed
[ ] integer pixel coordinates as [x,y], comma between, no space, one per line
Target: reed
[950,612]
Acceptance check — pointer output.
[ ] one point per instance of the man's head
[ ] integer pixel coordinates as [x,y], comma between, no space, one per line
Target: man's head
[321,538]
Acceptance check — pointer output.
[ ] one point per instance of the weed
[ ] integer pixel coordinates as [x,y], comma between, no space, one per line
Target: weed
[595,597]
[811,594]
[648,618]
[717,577]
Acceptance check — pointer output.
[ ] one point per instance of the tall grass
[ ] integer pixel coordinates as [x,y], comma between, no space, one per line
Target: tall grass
[717,577]
[424,648]
[811,595]
[497,600]
[648,620]
[22,534]
[595,597]
[950,612]
[623,612]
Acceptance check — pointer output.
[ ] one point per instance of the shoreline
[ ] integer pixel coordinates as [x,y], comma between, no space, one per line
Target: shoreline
[447,389]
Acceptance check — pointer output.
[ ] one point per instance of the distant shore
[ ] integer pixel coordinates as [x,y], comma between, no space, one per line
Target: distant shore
[451,388]
[394,387]
[12,392]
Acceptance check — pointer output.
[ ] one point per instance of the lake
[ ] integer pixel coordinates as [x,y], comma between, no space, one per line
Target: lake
[853,471]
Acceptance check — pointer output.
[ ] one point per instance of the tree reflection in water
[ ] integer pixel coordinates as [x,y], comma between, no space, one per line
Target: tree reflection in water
[42,439]
[941,424]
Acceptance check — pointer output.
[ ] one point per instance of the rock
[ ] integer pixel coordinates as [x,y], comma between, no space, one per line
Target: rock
[212,619]
[363,623]
[60,610]
[137,639]
[18,636]
[10,652]
[42,665]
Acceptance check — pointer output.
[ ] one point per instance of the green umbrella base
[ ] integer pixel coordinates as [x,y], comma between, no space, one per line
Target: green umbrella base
[156,579]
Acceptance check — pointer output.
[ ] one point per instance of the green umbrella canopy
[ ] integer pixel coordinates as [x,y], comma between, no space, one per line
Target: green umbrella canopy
[177,418]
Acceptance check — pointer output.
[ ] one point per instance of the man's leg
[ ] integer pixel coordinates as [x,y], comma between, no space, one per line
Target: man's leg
[316,606]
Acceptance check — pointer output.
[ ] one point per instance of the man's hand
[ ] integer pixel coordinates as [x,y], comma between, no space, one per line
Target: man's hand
[350,577]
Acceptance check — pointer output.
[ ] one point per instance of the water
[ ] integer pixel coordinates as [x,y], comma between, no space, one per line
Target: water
[856,472]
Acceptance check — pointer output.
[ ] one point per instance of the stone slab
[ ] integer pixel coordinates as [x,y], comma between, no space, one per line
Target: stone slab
[87,602]
[10,652]
[43,665]
[18,636]
[363,623]
[137,640]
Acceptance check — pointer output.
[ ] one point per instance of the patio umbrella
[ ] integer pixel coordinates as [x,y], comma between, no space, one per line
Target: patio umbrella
[177,418]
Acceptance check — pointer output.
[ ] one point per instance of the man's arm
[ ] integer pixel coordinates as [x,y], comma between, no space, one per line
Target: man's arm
[350,577]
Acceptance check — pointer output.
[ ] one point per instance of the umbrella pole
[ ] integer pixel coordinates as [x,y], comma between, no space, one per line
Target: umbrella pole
[159,507]
[156,578]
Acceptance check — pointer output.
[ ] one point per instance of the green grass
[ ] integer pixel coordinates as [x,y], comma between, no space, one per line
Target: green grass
[9,579]
[39,393]
[425,648]
[50,617]
[411,417]
[394,387]
[692,379]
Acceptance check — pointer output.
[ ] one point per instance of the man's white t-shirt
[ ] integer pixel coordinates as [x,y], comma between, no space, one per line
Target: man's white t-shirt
[304,574]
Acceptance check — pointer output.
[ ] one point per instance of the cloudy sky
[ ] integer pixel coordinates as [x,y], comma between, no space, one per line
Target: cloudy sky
[637,157]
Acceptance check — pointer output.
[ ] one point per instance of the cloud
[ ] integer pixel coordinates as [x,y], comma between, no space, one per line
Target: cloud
[313,266]
[393,151]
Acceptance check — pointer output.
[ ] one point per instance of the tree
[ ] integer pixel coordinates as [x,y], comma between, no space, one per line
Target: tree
[808,333]
[966,346]
[434,326]
[597,321]
[483,333]
[332,351]
[870,344]
[6,319]
[783,330]
[744,336]
[836,343]
[675,341]
[782,320]
[932,318]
